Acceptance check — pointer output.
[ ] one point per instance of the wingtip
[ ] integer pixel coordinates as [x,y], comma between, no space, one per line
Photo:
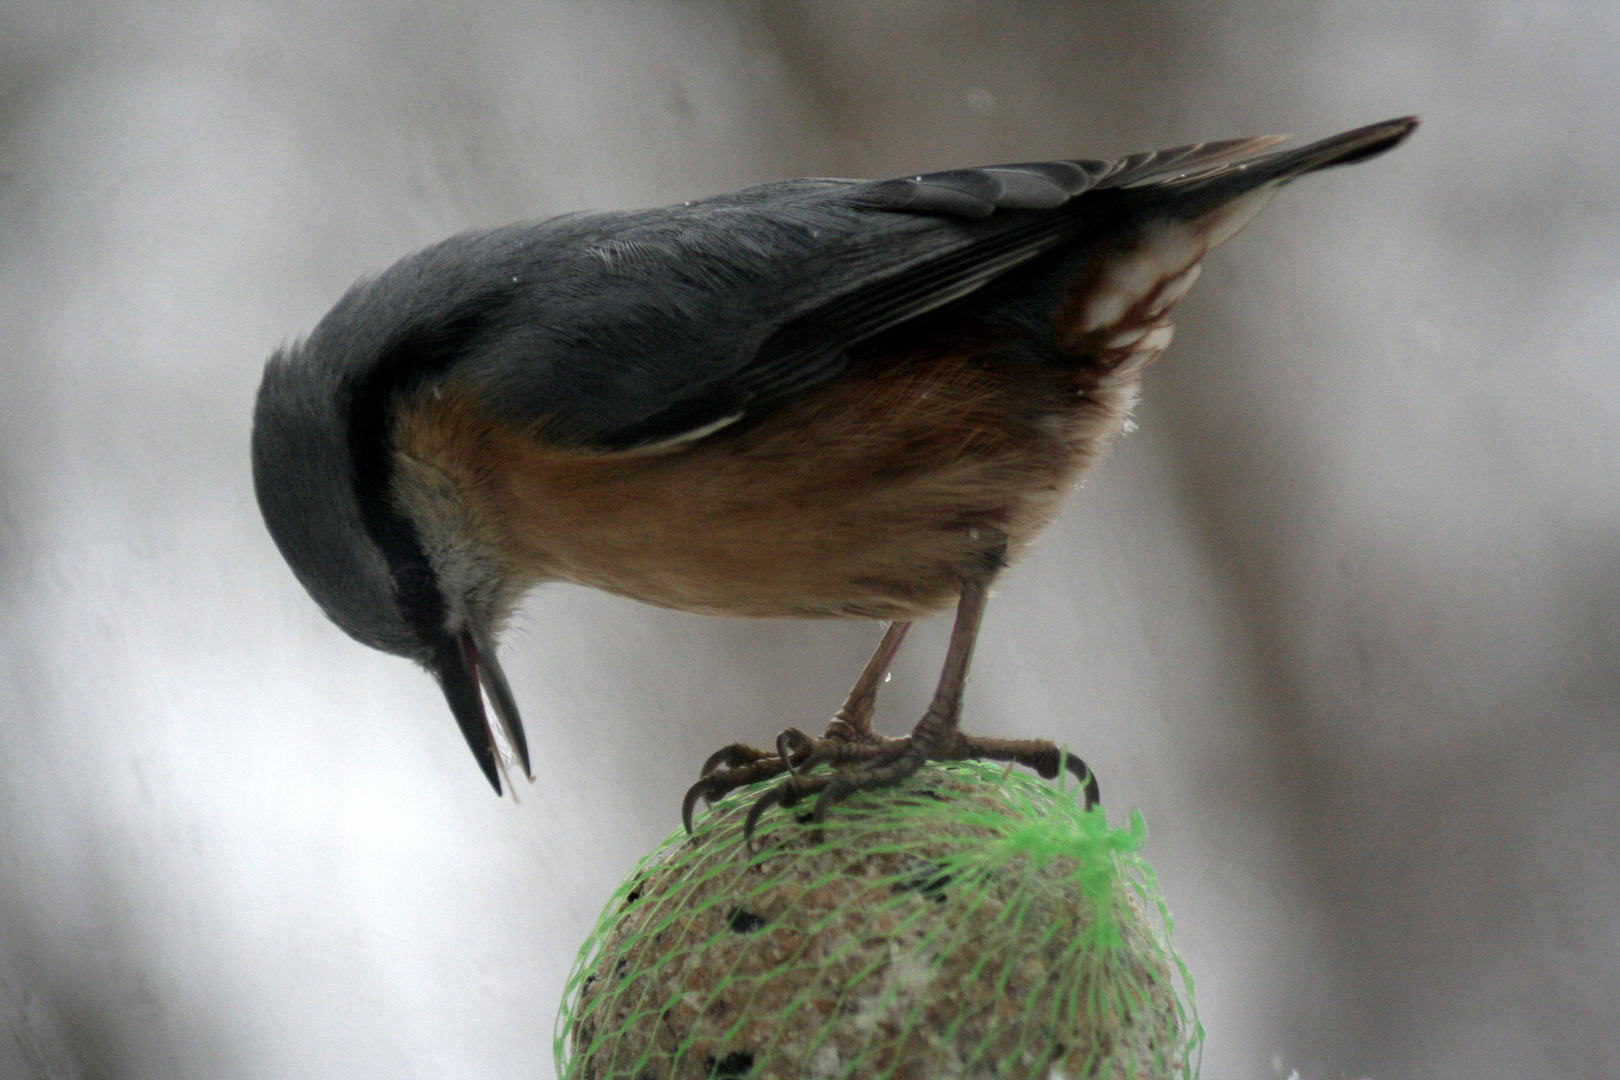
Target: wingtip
[1398,128]
[1345,148]
[1373,139]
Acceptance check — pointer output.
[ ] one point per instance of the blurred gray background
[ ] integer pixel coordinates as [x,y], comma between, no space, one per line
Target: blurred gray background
[1342,618]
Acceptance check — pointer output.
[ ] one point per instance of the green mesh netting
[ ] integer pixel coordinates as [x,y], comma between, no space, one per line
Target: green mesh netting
[969,923]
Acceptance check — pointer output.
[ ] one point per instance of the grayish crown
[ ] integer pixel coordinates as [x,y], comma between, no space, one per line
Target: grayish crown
[303,476]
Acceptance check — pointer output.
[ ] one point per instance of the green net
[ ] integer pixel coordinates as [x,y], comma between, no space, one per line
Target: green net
[969,923]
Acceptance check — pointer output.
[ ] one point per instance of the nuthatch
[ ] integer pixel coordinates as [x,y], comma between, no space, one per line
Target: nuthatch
[812,398]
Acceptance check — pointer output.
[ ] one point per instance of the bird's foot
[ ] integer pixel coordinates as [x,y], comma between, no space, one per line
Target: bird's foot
[739,764]
[850,729]
[859,760]
[867,766]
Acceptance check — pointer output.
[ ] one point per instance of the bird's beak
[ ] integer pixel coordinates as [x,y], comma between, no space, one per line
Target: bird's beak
[469,672]
[500,695]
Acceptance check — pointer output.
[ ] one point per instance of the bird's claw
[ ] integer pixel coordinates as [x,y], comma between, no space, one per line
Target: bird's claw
[731,757]
[739,765]
[1047,761]
[796,753]
[880,765]
[791,743]
[861,764]
[716,782]
[1088,779]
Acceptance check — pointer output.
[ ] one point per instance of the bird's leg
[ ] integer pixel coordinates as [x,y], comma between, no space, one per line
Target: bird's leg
[849,735]
[739,764]
[853,722]
[935,736]
[878,762]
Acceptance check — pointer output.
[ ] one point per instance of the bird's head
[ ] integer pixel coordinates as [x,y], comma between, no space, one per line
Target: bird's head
[383,548]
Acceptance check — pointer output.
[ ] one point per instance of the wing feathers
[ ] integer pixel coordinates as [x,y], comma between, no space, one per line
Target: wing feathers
[810,268]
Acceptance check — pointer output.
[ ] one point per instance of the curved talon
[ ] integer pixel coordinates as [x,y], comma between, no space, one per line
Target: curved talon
[837,790]
[767,799]
[715,760]
[689,803]
[730,756]
[785,736]
[1047,767]
[1082,772]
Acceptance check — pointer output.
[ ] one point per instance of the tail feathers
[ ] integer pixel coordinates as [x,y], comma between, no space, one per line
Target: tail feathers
[1346,148]
[1227,179]
[1180,176]
[1120,310]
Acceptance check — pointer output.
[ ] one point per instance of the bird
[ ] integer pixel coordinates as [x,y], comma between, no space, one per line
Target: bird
[810,398]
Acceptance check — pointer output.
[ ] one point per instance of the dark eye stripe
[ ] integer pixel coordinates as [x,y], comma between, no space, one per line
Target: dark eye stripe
[417,354]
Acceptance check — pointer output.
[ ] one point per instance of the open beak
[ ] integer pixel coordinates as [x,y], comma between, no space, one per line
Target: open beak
[465,676]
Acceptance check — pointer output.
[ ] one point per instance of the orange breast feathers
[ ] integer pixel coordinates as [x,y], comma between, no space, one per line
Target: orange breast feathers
[865,498]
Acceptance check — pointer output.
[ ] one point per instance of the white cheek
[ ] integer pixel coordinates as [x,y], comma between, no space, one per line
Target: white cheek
[469,578]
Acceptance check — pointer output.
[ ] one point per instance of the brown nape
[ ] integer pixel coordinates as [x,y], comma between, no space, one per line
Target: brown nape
[870,497]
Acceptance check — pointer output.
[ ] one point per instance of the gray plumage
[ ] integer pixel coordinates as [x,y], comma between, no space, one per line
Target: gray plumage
[609,332]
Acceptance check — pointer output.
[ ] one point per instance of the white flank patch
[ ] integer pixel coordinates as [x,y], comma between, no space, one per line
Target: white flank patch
[1165,251]
[1175,289]
[1158,341]
[1104,309]
[1125,338]
[1224,223]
